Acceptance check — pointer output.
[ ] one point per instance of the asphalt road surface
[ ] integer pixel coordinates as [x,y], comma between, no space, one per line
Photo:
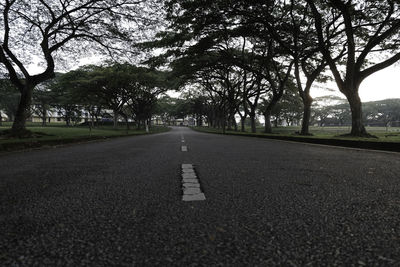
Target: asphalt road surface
[119,203]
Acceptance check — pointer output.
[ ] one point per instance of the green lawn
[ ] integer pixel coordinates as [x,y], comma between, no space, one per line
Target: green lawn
[57,134]
[391,134]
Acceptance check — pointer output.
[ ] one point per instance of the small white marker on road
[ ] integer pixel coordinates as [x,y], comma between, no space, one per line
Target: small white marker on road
[184,149]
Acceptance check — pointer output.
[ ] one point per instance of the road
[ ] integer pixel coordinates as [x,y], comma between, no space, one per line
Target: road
[119,202]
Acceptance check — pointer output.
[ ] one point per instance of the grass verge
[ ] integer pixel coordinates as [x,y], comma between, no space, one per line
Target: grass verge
[53,136]
[387,141]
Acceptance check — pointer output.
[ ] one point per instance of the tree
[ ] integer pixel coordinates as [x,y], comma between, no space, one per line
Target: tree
[276,72]
[128,90]
[84,93]
[49,29]
[165,108]
[368,29]
[111,85]
[382,113]
[81,92]
[290,108]
[63,99]
[42,99]
[9,97]
[145,86]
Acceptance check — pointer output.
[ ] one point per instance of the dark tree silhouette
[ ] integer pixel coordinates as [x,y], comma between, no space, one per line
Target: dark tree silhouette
[48,29]
[368,28]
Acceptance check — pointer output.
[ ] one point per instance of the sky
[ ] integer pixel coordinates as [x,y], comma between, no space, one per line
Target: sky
[381,85]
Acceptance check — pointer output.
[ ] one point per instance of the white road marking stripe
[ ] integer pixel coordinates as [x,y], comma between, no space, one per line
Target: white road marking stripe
[188,180]
[189,175]
[184,149]
[197,197]
[191,191]
[190,184]
[187,166]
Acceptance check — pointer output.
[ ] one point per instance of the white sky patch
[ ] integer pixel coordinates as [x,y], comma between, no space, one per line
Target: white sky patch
[381,85]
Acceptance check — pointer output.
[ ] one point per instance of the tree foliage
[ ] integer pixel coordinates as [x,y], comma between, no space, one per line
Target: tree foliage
[51,30]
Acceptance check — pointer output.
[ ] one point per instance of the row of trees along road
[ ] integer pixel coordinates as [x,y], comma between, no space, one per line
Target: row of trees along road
[55,31]
[128,91]
[243,53]
[375,113]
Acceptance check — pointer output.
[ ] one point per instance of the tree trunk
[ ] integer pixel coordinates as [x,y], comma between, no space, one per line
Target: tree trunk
[268,111]
[234,123]
[253,122]
[19,124]
[268,127]
[115,113]
[229,123]
[224,124]
[96,122]
[199,121]
[243,124]
[211,122]
[127,123]
[357,126]
[305,124]
[92,118]
[44,118]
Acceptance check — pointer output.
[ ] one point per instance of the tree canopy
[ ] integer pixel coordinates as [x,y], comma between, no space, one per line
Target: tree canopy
[239,57]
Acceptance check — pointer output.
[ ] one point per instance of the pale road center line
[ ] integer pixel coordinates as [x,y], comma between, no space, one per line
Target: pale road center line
[184,149]
[190,184]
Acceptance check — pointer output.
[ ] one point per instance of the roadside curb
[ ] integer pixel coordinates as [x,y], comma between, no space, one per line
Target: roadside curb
[372,145]
[37,144]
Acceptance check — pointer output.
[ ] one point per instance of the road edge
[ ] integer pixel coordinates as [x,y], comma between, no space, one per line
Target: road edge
[391,147]
[45,144]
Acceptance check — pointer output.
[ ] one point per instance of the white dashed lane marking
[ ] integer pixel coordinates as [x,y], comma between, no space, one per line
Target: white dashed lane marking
[190,184]
[183,148]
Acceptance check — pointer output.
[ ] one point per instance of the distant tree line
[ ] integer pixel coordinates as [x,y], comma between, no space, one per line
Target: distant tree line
[122,90]
[326,111]
[383,113]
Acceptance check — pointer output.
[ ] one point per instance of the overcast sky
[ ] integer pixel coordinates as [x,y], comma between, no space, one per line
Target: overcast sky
[381,85]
